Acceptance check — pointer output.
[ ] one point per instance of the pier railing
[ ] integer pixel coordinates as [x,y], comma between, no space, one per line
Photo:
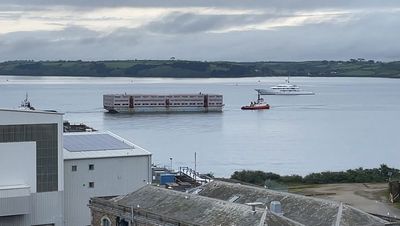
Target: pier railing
[196,176]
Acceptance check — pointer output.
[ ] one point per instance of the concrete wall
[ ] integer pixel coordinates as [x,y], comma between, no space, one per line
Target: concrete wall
[11,117]
[111,176]
[46,207]
[18,164]
[15,206]
[19,220]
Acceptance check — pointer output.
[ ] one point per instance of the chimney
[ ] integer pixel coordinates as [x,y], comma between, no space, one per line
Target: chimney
[276,207]
[253,205]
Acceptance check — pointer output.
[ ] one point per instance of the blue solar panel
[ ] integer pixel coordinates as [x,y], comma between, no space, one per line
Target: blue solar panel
[93,142]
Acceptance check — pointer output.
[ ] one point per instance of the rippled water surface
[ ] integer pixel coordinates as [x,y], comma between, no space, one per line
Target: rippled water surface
[350,122]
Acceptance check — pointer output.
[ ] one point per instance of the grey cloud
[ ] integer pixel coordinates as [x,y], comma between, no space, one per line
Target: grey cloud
[70,43]
[370,35]
[279,4]
[177,22]
[192,23]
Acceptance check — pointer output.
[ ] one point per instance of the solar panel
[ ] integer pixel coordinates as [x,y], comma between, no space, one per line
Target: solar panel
[93,142]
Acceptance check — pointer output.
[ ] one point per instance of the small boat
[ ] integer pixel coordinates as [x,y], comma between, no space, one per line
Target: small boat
[257,105]
[26,105]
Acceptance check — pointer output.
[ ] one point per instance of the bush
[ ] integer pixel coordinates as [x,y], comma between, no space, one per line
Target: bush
[254,177]
[358,175]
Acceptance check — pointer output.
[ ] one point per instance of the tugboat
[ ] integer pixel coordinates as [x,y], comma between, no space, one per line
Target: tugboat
[257,105]
[26,105]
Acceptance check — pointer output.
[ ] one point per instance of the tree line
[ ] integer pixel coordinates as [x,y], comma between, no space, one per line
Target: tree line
[202,69]
[358,175]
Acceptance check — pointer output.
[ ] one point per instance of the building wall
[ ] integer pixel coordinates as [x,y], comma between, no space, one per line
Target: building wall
[97,216]
[19,220]
[45,131]
[12,117]
[18,164]
[48,208]
[116,213]
[111,176]
[46,154]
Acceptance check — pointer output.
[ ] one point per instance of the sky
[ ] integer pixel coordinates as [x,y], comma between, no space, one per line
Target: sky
[231,30]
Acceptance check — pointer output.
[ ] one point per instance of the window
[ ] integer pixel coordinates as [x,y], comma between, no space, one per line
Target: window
[105,221]
[233,198]
[91,166]
[91,184]
[74,168]
[122,223]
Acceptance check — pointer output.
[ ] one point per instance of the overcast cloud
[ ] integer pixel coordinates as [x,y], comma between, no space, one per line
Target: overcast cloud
[199,30]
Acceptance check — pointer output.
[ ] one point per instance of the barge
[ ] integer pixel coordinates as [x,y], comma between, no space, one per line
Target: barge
[142,103]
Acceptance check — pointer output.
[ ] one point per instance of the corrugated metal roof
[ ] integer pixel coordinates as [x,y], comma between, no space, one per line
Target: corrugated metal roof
[98,145]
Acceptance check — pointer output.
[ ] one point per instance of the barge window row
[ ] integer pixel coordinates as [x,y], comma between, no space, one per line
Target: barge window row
[180,100]
[162,104]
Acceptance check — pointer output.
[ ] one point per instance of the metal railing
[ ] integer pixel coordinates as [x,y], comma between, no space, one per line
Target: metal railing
[194,175]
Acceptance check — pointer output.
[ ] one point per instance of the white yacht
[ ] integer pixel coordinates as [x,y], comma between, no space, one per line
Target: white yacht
[284,89]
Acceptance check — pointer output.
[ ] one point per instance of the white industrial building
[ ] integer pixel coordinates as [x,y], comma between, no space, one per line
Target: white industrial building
[47,178]
[31,168]
[100,164]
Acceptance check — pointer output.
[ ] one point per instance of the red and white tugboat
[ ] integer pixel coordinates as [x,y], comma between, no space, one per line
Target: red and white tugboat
[257,105]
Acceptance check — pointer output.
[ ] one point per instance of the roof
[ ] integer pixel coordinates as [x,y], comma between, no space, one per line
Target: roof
[89,145]
[32,111]
[302,209]
[17,186]
[19,190]
[164,95]
[198,210]
[94,142]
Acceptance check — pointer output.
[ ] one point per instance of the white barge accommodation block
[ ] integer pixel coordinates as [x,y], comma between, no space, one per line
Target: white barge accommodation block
[135,103]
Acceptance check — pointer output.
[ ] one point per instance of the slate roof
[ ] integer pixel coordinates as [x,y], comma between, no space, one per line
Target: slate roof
[299,208]
[196,209]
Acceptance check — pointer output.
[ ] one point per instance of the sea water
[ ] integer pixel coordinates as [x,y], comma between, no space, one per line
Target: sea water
[350,122]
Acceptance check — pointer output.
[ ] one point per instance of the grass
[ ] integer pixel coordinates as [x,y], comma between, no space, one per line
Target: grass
[298,188]
[359,73]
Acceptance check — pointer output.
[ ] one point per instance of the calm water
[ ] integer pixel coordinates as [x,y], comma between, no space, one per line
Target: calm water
[351,122]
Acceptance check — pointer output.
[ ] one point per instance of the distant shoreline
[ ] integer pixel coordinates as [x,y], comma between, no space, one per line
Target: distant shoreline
[202,69]
[172,77]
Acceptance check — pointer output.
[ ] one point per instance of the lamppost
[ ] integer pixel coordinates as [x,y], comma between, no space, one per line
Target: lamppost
[195,162]
[170,158]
